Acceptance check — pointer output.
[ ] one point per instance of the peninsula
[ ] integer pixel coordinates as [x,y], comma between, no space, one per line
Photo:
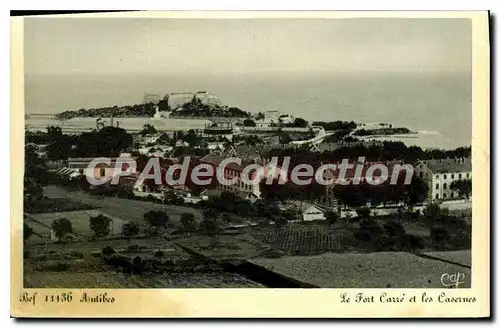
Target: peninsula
[195,106]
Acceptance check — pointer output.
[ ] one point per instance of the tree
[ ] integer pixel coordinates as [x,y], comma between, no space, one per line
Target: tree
[248,122]
[279,221]
[394,229]
[148,129]
[368,230]
[27,231]
[300,123]
[363,212]
[188,222]
[100,225]
[157,219]
[163,105]
[191,138]
[439,236]
[32,192]
[108,251]
[332,217]
[164,139]
[434,214]
[226,217]
[462,187]
[130,229]
[108,142]
[61,227]
[350,195]
[209,223]
[54,132]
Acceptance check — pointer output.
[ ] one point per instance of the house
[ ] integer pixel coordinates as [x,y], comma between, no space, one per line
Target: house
[40,149]
[211,193]
[305,211]
[181,143]
[68,173]
[216,145]
[440,173]
[286,119]
[101,171]
[232,170]
[151,139]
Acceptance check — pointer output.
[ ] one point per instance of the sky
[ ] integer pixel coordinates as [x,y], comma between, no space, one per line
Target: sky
[240,46]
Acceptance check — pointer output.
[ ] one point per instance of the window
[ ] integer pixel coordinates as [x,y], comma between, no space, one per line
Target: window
[444,196]
[444,185]
[467,175]
[460,175]
[437,196]
[453,176]
[437,185]
[102,172]
[445,176]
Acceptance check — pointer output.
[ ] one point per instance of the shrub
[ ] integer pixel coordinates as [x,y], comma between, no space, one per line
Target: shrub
[108,251]
[130,229]
[188,222]
[462,238]
[159,254]
[394,229]
[415,243]
[137,265]
[226,217]
[439,236]
[61,227]
[332,217]
[346,239]
[209,226]
[100,225]
[383,242]
[157,219]
[120,261]
[363,212]
[27,231]
[370,230]
[70,238]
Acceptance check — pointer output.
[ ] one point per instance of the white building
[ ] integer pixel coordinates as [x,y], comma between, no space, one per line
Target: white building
[440,173]
[286,119]
[151,139]
[250,189]
[101,171]
[305,211]
[177,99]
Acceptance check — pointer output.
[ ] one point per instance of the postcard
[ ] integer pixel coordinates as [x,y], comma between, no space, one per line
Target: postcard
[244,164]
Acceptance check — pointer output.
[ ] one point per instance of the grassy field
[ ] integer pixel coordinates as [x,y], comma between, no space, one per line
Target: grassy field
[225,247]
[79,221]
[373,270]
[83,267]
[125,209]
[463,257]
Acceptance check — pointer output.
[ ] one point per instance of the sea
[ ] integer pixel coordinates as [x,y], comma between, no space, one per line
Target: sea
[438,106]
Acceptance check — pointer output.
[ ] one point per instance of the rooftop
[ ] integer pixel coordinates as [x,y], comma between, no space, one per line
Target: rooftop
[449,165]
